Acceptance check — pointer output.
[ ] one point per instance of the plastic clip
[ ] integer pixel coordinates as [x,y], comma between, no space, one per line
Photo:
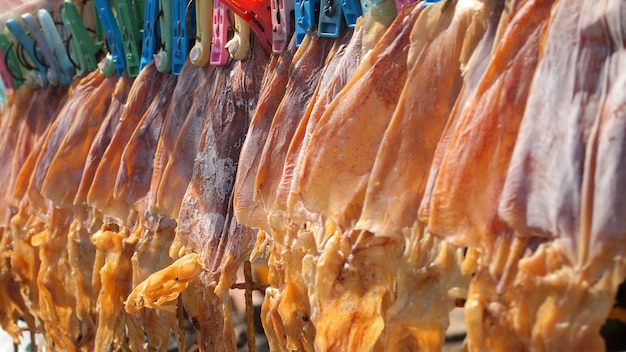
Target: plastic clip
[4,73]
[352,11]
[65,67]
[199,54]
[19,33]
[35,30]
[181,36]
[367,4]
[219,53]
[331,21]
[257,13]
[306,14]
[281,24]
[130,35]
[115,59]
[239,46]
[430,2]
[150,37]
[83,48]
[163,59]
[10,60]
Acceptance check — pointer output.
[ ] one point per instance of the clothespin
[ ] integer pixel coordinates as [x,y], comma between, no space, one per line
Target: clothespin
[181,36]
[62,31]
[4,73]
[306,13]
[19,33]
[35,30]
[130,35]
[115,59]
[257,13]
[219,53]
[65,67]
[281,24]
[199,54]
[163,59]
[331,21]
[10,59]
[150,38]
[140,11]
[430,2]
[352,11]
[239,46]
[83,48]
[3,93]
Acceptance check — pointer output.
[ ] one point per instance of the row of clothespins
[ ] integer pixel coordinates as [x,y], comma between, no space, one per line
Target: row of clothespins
[41,50]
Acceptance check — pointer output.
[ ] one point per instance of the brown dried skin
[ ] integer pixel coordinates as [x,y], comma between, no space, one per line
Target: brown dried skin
[464,205]
[102,139]
[66,169]
[179,169]
[57,300]
[81,255]
[563,186]
[115,276]
[249,212]
[141,95]
[341,153]
[441,42]
[149,258]
[11,121]
[286,311]
[82,100]
[472,75]
[306,70]
[206,223]
[133,177]
[342,61]
[182,100]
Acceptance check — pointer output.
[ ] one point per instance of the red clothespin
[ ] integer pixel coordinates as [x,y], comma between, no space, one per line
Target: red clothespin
[281,24]
[257,13]
[219,53]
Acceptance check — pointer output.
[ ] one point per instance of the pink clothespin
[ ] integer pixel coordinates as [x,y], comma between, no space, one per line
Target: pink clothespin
[281,23]
[219,53]
[4,73]
[402,3]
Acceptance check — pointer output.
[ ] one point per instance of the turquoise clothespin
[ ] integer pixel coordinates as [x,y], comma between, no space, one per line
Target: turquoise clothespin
[181,36]
[351,11]
[331,19]
[163,59]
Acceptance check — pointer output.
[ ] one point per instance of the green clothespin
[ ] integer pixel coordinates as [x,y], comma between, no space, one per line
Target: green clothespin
[8,47]
[131,35]
[83,48]
[139,7]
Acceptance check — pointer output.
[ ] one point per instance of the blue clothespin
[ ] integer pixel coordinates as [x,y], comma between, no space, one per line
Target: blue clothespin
[84,50]
[351,11]
[150,37]
[367,4]
[331,19]
[182,38]
[115,59]
[306,14]
[66,69]
[281,24]
[430,2]
[19,33]
[35,30]
[129,30]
